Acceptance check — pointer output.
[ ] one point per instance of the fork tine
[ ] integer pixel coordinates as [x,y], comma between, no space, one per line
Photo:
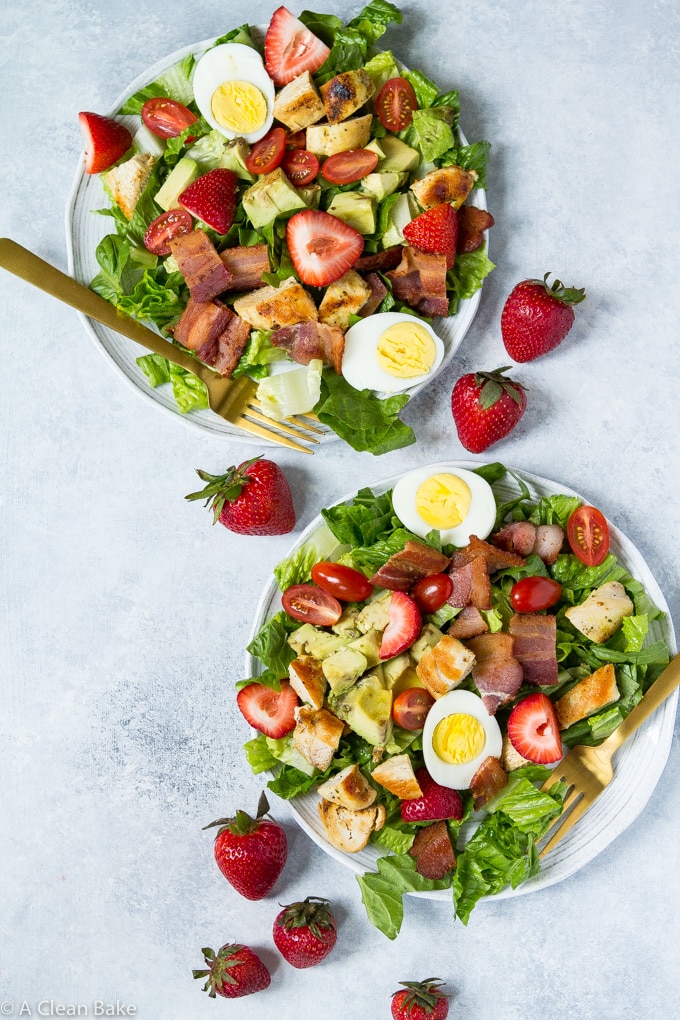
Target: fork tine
[295,420]
[567,819]
[267,433]
[291,429]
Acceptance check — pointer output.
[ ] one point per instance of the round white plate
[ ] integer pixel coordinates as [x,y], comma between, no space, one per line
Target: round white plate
[85,229]
[639,763]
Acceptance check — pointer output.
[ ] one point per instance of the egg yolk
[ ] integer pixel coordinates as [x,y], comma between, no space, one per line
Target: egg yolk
[443,501]
[238,106]
[406,350]
[458,738]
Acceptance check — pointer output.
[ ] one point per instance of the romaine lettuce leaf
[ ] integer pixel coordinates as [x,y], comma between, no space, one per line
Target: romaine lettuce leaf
[366,422]
[362,520]
[382,891]
[296,569]
[175,83]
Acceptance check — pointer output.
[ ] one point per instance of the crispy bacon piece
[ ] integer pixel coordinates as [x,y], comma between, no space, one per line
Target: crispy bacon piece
[308,340]
[488,780]
[420,281]
[405,568]
[471,585]
[471,223]
[432,851]
[214,332]
[496,673]
[246,264]
[535,649]
[378,292]
[469,623]
[494,558]
[524,538]
[200,265]
[231,344]
[381,261]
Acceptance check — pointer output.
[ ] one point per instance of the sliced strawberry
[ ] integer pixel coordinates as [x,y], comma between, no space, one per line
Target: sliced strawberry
[269,711]
[435,230]
[105,141]
[534,731]
[290,48]
[437,802]
[212,198]
[321,246]
[404,625]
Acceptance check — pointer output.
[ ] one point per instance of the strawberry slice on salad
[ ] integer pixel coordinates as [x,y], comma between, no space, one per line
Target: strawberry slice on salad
[533,729]
[105,141]
[290,48]
[321,246]
[435,230]
[403,627]
[269,711]
[212,198]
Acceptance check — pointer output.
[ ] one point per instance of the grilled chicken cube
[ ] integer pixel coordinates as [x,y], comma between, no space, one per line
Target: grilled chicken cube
[299,104]
[397,775]
[327,139]
[444,666]
[347,829]
[269,307]
[128,180]
[587,696]
[307,680]
[449,184]
[602,613]
[317,735]
[348,788]
[343,299]
[346,93]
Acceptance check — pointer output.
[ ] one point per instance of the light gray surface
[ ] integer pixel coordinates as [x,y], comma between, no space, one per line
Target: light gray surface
[124,614]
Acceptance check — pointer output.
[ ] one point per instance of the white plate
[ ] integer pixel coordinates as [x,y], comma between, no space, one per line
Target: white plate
[639,763]
[85,229]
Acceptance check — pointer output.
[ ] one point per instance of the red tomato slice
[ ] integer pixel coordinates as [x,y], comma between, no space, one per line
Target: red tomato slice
[588,535]
[349,166]
[300,166]
[411,707]
[430,593]
[266,154]
[395,104]
[345,583]
[309,604]
[166,118]
[531,594]
[298,140]
[166,227]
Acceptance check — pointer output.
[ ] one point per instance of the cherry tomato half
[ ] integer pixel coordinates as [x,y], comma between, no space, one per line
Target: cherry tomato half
[349,166]
[345,583]
[395,104]
[531,594]
[298,140]
[164,228]
[588,535]
[300,166]
[430,593]
[411,707]
[265,155]
[166,118]
[309,604]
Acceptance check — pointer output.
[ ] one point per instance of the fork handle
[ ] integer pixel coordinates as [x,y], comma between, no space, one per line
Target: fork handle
[661,689]
[29,267]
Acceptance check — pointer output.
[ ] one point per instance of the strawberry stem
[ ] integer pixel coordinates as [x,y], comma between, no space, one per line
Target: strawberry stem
[425,994]
[221,489]
[557,290]
[241,823]
[492,386]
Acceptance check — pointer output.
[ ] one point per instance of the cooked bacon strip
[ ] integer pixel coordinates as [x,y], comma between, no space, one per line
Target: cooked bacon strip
[535,636]
[200,326]
[518,537]
[488,780]
[378,293]
[246,264]
[469,623]
[494,558]
[405,568]
[471,222]
[471,585]
[381,261]
[549,540]
[432,851]
[420,281]
[308,340]
[200,265]
[497,674]
[231,344]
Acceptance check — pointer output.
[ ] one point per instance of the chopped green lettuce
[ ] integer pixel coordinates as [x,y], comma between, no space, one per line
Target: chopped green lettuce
[296,569]
[175,83]
[366,422]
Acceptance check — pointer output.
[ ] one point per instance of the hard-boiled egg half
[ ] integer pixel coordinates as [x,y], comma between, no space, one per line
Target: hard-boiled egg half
[234,92]
[390,352]
[447,499]
[458,735]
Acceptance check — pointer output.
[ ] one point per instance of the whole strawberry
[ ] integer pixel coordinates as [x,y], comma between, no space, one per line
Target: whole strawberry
[437,802]
[420,1000]
[486,406]
[305,932]
[537,316]
[250,852]
[251,499]
[212,198]
[233,971]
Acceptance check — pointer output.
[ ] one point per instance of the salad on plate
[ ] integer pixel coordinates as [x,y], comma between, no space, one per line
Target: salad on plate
[426,655]
[292,204]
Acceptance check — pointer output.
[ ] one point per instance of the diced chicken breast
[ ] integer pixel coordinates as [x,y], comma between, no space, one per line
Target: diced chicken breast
[444,666]
[602,613]
[343,299]
[397,775]
[269,307]
[348,788]
[450,184]
[346,93]
[299,104]
[327,139]
[128,180]
[350,830]
[587,696]
[307,680]
[317,735]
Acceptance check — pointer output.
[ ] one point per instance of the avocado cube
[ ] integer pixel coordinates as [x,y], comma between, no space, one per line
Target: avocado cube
[428,638]
[180,177]
[394,668]
[311,195]
[347,624]
[343,668]
[355,209]
[398,155]
[401,213]
[375,146]
[383,184]
[271,195]
[369,645]
[234,159]
[309,640]
[367,708]
[375,614]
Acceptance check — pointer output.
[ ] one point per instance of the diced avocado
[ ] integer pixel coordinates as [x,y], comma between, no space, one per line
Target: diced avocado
[393,669]
[409,678]
[355,209]
[180,177]
[311,195]
[347,624]
[234,159]
[367,708]
[428,638]
[343,668]
[383,184]
[309,640]
[401,213]
[375,614]
[375,146]
[271,195]
[398,155]
[369,645]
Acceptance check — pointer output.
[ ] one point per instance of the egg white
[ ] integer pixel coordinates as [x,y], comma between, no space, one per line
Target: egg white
[459,777]
[228,62]
[359,365]
[479,520]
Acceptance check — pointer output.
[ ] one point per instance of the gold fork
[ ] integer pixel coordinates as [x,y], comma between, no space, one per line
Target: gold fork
[588,770]
[234,400]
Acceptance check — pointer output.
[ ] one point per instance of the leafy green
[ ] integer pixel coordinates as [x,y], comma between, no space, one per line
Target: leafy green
[350,43]
[430,132]
[296,569]
[259,756]
[469,271]
[152,301]
[156,368]
[361,521]
[175,83]
[469,157]
[381,67]
[258,355]
[240,35]
[373,20]
[382,891]
[366,422]
[188,390]
[554,510]
[425,90]
[270,646]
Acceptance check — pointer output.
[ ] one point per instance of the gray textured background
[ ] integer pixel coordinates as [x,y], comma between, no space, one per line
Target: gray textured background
[124,615]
